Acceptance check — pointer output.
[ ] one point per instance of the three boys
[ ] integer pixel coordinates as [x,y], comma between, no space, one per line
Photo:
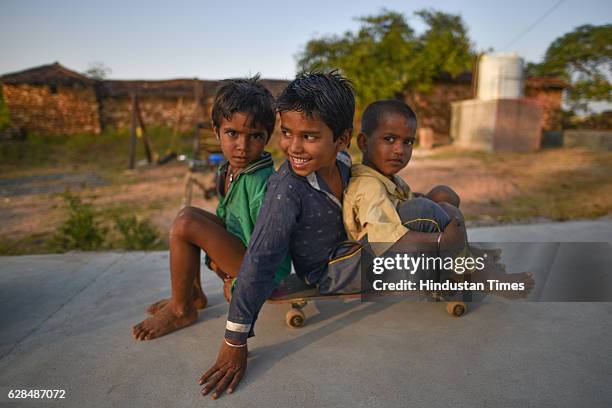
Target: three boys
[301,214]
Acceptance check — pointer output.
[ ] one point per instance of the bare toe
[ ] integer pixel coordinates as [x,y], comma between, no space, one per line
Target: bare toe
[136,330]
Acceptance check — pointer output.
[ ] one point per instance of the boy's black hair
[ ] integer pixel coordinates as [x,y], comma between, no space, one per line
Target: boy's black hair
[246,96]
[328,95]
[376,110]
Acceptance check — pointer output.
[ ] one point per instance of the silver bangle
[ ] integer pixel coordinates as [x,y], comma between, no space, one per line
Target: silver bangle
[234,345]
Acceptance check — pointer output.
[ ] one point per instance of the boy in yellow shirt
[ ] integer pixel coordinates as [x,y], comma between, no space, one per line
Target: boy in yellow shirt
[379,208]
[378,203]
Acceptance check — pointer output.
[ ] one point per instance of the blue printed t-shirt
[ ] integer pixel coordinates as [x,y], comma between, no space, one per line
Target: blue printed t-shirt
[300,216]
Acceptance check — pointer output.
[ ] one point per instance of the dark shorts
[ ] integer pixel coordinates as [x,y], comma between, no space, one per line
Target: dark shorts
[344,267]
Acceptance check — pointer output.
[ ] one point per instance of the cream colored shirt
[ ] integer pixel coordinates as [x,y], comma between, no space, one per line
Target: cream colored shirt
[370,207]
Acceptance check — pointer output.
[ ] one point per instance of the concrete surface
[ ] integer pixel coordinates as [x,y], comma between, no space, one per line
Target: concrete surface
[66,320]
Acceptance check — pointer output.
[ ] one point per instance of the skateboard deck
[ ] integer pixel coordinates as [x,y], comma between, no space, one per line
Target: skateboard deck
[296,292]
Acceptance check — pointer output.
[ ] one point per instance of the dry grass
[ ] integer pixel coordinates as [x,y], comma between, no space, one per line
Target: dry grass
[557,184]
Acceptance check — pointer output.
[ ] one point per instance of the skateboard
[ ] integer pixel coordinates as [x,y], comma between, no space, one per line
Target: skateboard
[297,293]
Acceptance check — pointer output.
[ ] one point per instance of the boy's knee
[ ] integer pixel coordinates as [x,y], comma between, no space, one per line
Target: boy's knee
[451,210]
[444,193]
[417,207]
[181,222]
[422,214]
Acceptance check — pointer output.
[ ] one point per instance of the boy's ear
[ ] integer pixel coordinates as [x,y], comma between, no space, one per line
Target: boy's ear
[344,141]
[362,142]
[215,131]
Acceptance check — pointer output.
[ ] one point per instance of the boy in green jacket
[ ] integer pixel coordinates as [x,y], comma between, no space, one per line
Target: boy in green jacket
[243,118]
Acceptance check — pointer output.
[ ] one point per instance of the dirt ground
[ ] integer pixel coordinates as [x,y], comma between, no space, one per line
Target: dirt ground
[552,184]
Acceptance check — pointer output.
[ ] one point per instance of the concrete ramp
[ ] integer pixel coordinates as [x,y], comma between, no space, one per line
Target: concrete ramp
[66,319]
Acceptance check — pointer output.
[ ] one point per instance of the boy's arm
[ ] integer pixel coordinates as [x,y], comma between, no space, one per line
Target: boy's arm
[379,217]
[268,246]
[449,242]
[384,226]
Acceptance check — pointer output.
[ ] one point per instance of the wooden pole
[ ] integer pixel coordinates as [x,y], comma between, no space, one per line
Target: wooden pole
[475,74]
[133,125]
[145,139]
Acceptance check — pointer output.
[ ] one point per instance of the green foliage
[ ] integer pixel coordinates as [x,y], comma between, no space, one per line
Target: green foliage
[137,235]
[582,57]
[5,119]
[384,56]
[81,230]
[444,48]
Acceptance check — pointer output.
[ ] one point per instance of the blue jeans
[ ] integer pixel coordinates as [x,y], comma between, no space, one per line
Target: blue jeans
[423,215]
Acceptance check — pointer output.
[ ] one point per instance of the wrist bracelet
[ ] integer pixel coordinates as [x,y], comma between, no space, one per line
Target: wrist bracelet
[234,345]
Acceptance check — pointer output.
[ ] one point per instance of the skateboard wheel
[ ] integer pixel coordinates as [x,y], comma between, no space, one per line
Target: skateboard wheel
[295,318]
[456,309]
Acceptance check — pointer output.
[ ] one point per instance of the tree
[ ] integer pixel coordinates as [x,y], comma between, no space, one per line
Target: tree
[384,56]
[98,70]
[582,57]
[444,48]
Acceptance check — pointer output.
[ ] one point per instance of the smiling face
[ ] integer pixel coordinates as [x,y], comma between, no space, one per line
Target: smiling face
[389,148]
[241,142]
[308,142]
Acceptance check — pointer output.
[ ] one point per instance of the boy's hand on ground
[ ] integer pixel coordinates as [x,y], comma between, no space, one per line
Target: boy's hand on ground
[226,372]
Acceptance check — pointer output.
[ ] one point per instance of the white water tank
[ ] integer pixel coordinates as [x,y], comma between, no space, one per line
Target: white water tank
[500,76]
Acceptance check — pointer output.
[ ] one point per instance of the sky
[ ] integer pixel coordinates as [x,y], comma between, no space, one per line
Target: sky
[214,40]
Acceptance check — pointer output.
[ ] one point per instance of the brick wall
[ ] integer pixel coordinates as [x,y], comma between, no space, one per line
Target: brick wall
[69,110]
[117,112]
[57,110]
[433,109]
[550,101]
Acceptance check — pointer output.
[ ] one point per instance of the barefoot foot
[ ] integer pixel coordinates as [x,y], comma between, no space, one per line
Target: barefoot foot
[199,302]
[163,322]
[157,306]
